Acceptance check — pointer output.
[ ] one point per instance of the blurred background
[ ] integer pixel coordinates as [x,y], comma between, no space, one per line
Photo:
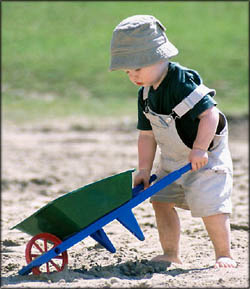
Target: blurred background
[55,55]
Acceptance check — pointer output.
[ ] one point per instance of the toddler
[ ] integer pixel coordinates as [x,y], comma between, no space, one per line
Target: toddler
[178,114]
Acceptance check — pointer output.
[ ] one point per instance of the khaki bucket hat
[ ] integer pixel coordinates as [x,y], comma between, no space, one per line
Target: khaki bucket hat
[139,41]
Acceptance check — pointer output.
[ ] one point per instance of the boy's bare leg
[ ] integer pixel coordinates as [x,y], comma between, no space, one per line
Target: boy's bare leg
[218,228]
[168,225]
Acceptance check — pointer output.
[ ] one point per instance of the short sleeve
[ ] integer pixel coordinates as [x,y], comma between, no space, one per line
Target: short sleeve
[205,103]
[187,83]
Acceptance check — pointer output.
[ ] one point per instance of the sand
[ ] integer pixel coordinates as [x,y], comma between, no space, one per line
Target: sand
[43,161]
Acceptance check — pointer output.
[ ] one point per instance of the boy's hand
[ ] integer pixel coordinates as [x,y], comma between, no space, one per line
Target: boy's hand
[142,176]
[198,158]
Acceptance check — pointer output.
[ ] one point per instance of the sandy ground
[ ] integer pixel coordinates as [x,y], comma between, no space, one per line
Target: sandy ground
[40,162]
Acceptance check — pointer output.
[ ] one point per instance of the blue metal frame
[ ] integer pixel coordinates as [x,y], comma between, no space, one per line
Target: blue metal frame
[123,214]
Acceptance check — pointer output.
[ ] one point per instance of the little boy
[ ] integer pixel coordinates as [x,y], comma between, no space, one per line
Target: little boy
[177,113]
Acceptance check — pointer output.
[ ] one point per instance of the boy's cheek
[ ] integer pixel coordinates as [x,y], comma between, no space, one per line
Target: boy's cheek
[133,81]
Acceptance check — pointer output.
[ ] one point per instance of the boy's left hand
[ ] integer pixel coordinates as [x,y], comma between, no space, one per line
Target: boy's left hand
[198,158]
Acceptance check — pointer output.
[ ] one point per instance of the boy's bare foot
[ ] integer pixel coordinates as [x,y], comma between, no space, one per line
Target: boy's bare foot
[225,262]
[166,258]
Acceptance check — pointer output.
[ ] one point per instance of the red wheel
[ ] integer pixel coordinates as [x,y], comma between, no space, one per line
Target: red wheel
[40,244]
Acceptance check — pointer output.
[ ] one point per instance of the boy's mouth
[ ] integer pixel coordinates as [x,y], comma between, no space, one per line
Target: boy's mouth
[138,83]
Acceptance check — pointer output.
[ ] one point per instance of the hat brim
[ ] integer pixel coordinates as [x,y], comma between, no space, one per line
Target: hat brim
[142,58]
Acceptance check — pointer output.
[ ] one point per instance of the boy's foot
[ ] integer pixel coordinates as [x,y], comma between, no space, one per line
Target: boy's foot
[167,259]
[225,262]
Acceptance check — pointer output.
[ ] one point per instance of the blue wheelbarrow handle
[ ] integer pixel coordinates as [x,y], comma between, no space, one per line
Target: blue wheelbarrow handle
[136,190]
[169,178]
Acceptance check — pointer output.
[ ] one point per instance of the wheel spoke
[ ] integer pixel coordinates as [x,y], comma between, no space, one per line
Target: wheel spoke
[45,245]
[55,265]
[47,267]
[38,247]
[35,255]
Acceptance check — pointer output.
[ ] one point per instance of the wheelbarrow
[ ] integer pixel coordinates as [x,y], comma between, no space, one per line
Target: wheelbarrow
[84,212]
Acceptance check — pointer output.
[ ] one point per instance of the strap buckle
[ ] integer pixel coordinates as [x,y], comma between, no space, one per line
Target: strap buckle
[174,115]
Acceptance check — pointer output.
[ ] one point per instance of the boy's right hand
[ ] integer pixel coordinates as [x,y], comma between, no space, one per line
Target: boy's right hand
[142,177]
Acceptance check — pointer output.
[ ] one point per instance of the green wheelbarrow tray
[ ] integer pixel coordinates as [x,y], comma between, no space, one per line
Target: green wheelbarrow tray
[75,210]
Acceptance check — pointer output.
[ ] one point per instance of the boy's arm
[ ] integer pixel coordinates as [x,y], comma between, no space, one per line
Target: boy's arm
[146,154]
[206,131]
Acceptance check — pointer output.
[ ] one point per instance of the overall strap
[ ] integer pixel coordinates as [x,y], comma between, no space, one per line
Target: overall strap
[145,92]
[192,99]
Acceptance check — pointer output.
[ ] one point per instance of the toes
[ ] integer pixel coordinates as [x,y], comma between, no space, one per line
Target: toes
[225,263]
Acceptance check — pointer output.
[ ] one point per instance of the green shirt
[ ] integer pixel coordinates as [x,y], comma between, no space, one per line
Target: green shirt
[178,84]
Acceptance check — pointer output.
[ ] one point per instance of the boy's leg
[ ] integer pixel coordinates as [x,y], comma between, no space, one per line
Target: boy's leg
[168,225]
[218,228]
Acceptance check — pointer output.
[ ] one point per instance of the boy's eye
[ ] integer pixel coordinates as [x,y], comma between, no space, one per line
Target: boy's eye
[135,70]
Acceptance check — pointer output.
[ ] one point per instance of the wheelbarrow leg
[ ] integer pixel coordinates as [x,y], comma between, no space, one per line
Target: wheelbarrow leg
[128,220]
[101,237]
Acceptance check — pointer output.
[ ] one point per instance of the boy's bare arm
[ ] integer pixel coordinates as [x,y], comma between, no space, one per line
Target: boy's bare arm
[206,131]
[146,154]
[146,149]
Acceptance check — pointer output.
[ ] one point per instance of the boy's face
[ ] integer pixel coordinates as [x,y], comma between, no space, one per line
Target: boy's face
[151,75]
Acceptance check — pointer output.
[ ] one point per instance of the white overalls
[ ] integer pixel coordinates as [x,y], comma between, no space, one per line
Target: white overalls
[204,192]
